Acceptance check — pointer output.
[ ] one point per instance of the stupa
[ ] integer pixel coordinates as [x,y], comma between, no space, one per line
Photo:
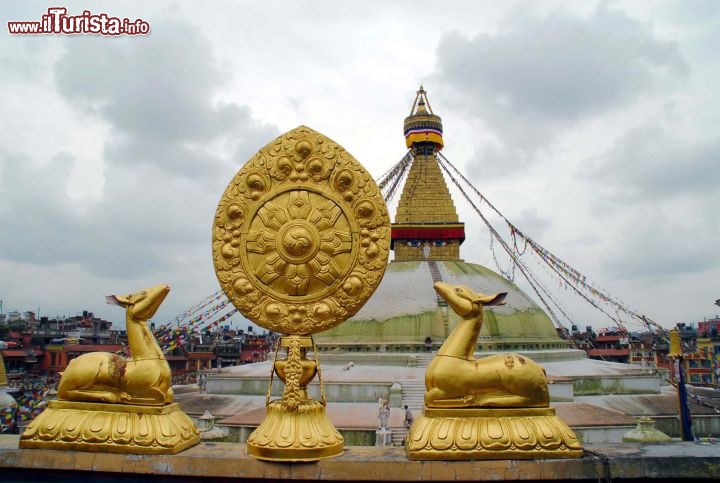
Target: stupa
[382,352]
[405,314]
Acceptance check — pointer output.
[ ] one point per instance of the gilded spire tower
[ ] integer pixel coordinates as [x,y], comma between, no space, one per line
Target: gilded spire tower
[426,223]
[405,313]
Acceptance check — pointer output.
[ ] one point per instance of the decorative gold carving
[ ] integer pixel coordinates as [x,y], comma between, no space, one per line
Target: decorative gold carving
[300,242]
[301,235]
[144,378]
[486,434]
[111,428]
[296,427]
[496,407]
[304,434]
[115,404]
[455,378]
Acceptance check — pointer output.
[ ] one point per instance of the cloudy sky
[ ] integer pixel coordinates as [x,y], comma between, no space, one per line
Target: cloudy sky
[593,126]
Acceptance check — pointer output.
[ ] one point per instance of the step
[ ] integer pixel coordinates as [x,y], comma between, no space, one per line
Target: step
[413,395]
[398,436]
[436,277]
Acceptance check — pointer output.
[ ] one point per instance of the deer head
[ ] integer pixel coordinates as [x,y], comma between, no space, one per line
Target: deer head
[143,304]
[465,301]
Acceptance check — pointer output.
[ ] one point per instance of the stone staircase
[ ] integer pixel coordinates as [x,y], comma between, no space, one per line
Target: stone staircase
[413,393]
[398,435]
[436,277]
[423,359]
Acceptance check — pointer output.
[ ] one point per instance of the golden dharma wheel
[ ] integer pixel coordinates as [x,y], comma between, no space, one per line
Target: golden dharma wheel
[301,235]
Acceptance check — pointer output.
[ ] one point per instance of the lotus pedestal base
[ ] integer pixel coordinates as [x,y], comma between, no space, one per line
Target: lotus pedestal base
[301,434]
[491,434]
[111,428]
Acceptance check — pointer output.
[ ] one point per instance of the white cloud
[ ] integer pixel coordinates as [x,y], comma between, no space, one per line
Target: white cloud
[157,93]
[543,73]
[651,163]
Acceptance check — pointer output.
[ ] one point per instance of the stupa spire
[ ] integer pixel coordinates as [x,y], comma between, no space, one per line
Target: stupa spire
[426,222]
[423,129]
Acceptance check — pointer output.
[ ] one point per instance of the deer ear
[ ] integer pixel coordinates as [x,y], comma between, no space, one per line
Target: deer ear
[488,300]
[115,300]
[499,299]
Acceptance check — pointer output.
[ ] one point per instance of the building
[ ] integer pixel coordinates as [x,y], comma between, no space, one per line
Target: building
[611,345]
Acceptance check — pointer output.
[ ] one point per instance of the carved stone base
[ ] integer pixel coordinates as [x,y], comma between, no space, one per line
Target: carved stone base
[111,428]
[491,434]
[304,434]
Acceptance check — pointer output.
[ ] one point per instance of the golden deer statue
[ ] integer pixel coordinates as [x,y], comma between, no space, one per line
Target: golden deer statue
[144,378]
[455,379]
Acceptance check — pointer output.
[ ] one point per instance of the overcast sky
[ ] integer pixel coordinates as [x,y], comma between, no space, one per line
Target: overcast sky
[593,126]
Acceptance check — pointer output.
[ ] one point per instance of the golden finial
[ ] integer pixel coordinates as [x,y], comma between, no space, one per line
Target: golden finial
[422,126]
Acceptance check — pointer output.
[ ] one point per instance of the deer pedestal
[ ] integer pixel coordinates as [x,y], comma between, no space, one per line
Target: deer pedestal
[114,404]
[497,407]
[111,428]
[491,434]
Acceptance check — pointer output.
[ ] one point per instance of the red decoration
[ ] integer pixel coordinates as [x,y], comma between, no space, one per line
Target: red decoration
[427,233]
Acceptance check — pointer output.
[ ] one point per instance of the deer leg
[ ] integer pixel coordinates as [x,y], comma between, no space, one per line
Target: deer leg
[80,381]
[89,395]
[508,401]
[438,398]
[150,397]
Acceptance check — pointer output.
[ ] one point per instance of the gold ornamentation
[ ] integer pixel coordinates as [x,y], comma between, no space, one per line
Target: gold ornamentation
[455,378]
[144,378]
[111,428]
[301,240]
[304,434]
[301,235]
[109,403]
[487,434]
[298,245]
[293,371]
[296,427]
[497,407]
